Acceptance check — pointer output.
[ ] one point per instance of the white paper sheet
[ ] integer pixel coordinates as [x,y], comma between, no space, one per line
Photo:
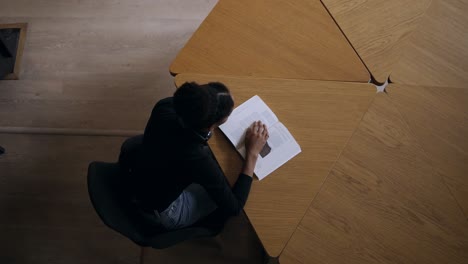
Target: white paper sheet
[282,145]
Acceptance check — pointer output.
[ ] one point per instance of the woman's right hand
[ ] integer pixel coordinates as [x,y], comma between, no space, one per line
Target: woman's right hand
[255,138]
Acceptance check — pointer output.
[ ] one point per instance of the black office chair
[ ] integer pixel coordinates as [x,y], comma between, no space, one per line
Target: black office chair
[108,191]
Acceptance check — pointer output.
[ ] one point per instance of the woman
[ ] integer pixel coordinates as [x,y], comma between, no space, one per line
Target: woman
[178,178]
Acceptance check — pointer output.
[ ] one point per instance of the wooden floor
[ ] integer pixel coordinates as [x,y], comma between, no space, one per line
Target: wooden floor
[46,213]
[398,193]
[47,216]
[96,66]
[237,243]
[87,62]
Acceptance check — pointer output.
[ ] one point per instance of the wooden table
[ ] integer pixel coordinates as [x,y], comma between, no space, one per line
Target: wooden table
[275,38]
[377,29]
[438,117]
[383,201]
[322,116]
[437,53]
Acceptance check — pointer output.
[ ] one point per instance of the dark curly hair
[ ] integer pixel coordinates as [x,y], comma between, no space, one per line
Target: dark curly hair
[201,106]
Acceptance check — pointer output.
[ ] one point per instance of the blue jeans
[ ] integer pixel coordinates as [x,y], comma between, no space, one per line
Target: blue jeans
[193,204]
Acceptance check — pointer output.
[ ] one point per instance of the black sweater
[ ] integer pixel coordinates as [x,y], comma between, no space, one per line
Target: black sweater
[174,157]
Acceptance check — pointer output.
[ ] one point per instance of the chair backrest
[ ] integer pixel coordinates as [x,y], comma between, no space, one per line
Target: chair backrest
[110,202]
[108,191]
[130,152]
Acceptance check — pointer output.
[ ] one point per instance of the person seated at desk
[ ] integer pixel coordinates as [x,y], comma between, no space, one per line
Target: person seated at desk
[178,177]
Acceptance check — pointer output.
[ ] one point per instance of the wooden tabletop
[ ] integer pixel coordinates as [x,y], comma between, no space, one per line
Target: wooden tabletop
[437,53]
[384,201]
[275,38]
[438,117]
[377,29]
[321,115]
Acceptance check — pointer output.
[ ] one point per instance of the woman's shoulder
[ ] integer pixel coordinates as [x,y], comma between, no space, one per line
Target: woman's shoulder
[167,102]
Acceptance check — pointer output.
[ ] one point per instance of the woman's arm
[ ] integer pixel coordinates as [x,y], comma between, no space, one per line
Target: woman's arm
[231,200]
[255,139]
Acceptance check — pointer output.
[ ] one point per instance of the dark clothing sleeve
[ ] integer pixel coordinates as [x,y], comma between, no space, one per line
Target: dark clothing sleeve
[229,200]
[242,188]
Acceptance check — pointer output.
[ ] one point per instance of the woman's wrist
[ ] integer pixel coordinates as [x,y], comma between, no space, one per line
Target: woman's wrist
[251,157]
[249,164]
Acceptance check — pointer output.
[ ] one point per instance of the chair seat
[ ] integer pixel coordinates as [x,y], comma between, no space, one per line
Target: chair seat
[110,197]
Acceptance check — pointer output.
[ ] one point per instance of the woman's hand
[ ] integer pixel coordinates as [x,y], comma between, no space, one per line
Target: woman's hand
[255,139]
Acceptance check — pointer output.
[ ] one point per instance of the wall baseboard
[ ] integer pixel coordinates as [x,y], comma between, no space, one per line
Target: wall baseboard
[69,131]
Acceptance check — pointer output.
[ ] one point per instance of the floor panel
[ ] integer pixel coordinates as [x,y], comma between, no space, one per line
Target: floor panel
[47,216]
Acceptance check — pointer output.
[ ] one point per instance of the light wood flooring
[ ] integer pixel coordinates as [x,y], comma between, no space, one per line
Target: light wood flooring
[85,63]
[46,213]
